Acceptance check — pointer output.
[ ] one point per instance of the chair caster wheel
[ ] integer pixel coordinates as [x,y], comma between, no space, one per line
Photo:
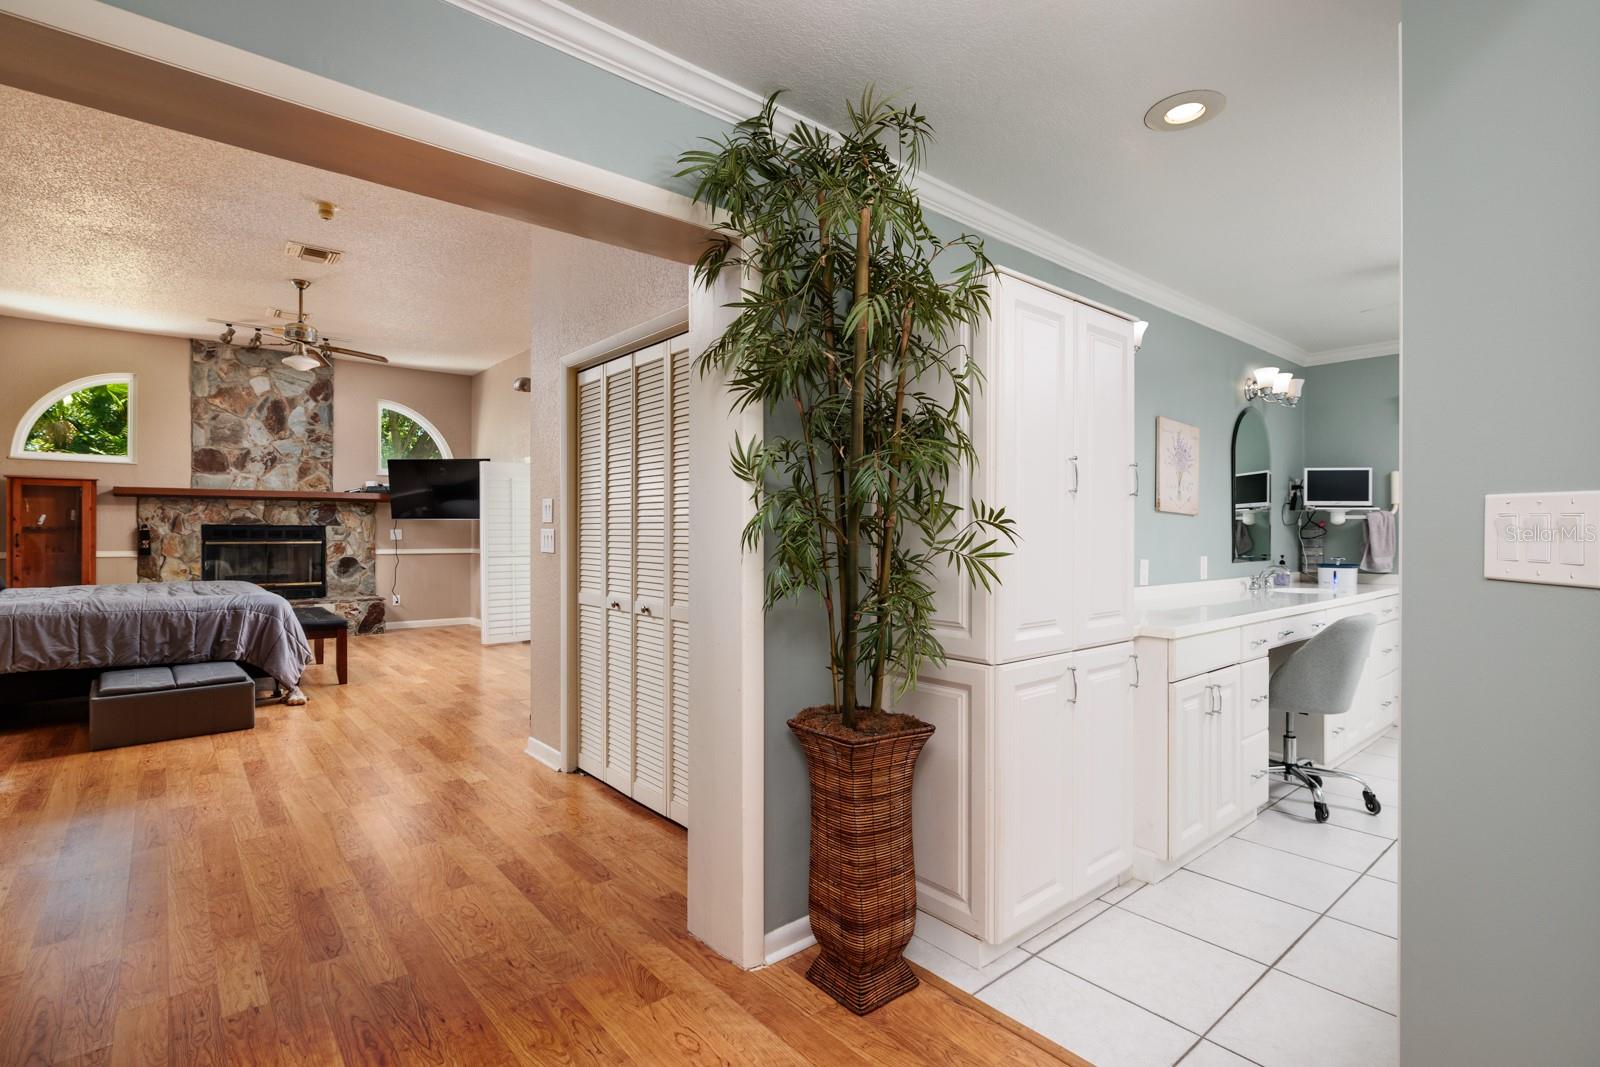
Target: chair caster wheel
[1321,810]
[1371,799]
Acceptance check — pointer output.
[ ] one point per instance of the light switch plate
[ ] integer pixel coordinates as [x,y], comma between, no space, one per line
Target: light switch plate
[1544,538]
[547,540]
[547,509]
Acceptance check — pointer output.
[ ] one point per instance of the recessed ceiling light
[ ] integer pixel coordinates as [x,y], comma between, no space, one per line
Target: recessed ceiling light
[1184,111]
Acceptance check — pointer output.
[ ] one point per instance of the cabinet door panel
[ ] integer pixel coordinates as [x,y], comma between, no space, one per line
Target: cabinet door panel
[1033,793]
[1102,580]
[1225,788]
[949,803]
[1031,471]
[1102,766]
[1189,704]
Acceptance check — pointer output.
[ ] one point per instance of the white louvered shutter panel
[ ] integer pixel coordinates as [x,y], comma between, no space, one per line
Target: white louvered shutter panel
[650,571]
[504,541]
[678,573]
[591,505]
[619,574]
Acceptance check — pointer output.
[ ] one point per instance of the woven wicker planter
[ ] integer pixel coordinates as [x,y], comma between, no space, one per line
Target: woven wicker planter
[863,875]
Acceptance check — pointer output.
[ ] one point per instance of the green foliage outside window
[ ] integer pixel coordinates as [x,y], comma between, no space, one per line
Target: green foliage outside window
[90,422]
[402,437]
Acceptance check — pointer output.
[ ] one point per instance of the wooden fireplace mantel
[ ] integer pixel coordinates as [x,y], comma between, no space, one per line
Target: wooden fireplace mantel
[248,494]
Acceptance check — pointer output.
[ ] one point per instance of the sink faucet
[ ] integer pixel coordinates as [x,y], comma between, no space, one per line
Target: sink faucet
[1264,580]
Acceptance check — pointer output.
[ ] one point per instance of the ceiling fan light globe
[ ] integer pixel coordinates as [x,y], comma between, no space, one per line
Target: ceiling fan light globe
[301,361]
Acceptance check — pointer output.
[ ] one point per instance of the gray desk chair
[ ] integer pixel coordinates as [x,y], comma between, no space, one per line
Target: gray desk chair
[1321,678]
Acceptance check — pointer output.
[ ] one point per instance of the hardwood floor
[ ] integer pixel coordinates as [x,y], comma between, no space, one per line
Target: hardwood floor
[382,877]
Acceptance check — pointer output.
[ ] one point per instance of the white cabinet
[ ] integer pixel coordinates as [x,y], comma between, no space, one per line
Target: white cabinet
[1053,431]
[1204,758]
[1023,796]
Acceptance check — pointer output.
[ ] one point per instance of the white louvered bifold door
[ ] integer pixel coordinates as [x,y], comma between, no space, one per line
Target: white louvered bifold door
[678,579]
[650,578]
[592,614]
[619,574]
[633,579]
[505,526]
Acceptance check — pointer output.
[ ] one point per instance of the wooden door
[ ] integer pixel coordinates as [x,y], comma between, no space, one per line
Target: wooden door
[51,535]
[1033,792]
[1189,710]
[1101,767]
[1102,579]
[1034,470]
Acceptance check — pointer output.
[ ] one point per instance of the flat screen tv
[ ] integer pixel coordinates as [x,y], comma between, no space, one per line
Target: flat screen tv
[433,488]
[1338,487]
[1252,489]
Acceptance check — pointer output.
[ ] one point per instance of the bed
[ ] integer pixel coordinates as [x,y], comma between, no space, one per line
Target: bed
[78,627]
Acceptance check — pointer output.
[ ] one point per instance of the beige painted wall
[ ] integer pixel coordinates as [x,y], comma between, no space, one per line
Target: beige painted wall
[39,357]
[431,586]
[584,292]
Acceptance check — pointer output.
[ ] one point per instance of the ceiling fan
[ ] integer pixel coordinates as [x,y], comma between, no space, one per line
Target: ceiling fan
[308,349]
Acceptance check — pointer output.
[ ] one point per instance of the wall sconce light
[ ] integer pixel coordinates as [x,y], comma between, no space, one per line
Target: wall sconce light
[1139,328]
[523,385]
[1273,386]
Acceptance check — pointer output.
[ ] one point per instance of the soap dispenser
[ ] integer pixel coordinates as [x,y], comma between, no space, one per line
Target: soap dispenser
[1282,577]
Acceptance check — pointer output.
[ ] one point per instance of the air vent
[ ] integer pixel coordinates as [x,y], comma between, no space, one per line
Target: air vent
[312,254]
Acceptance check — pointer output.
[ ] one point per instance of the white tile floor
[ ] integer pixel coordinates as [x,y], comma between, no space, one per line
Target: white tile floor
[1275,947]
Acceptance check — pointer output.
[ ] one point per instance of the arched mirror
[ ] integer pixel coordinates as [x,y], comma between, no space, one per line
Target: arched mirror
[1252,489]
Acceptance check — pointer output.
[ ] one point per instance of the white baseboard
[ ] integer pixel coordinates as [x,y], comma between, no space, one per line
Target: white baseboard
[426,624]
[788,939]
[550,757]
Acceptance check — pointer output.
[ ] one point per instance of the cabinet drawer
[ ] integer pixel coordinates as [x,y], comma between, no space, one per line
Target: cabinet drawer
[1261,636]
[1389,610]
[1386,694]
[1386,648]
[1253,765]
[1202,653]
[1255,678]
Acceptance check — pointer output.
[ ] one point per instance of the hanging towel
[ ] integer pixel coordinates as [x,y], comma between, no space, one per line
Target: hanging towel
[1244,541]
[1378,556]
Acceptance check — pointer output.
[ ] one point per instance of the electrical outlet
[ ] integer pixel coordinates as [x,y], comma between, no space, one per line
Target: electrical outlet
[394,533]
[1144,572]
[1204,568]
[547,510]
[547,540]
[397,600]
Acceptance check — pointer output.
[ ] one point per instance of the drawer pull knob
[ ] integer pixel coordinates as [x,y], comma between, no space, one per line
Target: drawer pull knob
[1285,633]
[1386,703]
[1338,730]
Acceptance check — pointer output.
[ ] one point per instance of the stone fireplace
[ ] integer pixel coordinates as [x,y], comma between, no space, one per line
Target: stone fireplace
[259,426]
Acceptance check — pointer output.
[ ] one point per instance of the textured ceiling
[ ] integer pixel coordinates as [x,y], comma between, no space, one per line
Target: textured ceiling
[1284,211]
[117,223]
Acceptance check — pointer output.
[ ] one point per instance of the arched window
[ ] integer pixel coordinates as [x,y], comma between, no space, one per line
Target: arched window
[89,420]
[407,434]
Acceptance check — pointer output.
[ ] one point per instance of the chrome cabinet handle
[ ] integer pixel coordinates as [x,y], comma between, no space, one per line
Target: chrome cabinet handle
[1388,611]
[1073,671]
[1388,650]
[616,605]
[1257,700]
[1258,642]
[1136,679]
[1134,467]
[645,610]
[1285,633]
[1338,730]
[1074,461]
[1386,703]
[1257,776]
[1318,625]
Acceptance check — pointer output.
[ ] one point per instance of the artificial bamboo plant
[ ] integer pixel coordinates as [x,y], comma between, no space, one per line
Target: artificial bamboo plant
[850,321]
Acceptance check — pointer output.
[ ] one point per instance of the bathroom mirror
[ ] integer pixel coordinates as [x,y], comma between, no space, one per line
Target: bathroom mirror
[1252,489]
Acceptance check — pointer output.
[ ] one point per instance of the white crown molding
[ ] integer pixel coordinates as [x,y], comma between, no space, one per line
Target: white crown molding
[584,37]
[1345,355]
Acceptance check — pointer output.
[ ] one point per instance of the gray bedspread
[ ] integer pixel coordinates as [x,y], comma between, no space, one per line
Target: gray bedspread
[77,626]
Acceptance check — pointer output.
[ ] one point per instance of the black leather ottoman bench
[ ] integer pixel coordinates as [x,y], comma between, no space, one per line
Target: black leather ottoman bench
[145,704]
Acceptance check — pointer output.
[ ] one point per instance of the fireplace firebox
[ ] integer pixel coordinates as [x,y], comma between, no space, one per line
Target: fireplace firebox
[288,560]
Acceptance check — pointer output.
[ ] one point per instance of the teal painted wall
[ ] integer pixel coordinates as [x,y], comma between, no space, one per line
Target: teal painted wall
[1500,960]
[1352,419]
[437,57]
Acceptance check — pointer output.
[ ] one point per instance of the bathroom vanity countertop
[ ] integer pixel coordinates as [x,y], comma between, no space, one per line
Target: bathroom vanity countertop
[1181,616]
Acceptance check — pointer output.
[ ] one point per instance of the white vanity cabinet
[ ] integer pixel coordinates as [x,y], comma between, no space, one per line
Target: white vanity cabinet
[1023,796]
[1203,738]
